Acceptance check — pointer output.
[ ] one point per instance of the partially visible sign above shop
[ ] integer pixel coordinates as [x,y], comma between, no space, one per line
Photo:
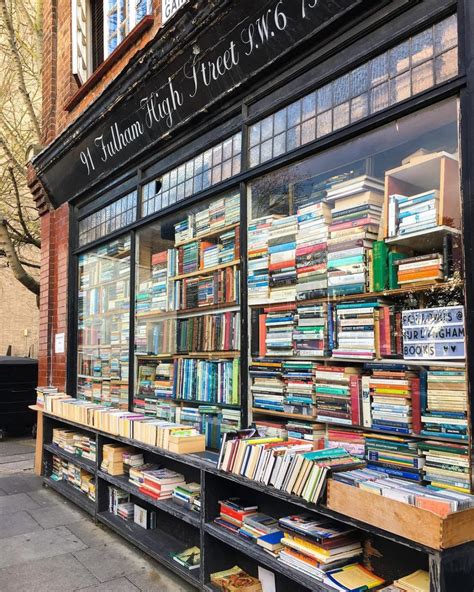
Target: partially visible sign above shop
[242,42]
[169,8]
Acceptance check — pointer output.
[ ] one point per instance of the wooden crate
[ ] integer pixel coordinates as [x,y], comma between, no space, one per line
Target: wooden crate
[401,519]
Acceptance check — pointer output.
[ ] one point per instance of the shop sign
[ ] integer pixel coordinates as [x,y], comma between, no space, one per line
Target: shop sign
[241,43]
[169,8]
[434,333]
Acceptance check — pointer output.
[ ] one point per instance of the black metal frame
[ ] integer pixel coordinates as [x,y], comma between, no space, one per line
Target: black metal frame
[403,20]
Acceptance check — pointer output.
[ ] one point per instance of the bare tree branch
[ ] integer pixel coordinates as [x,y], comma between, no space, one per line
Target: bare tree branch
[15,265]
[26,230]
[9,153]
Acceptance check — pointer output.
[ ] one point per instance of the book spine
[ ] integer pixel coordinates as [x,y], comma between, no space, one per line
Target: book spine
[366,402]
[354,386]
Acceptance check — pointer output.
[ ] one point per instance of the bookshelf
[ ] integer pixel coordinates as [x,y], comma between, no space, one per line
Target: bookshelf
[392,554]
[188,318]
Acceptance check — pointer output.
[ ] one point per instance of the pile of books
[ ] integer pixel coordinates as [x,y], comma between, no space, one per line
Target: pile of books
[310,334]
[268,386]
[412,214]
[290,466]
[232,209]
[446,465]
[212,381]
[352,577]
[202,222]
[232,513]
[160,272]
[80,479]
[230,248]
[387,399]
[137,474]
[113,458]
[352,441]
[234,579]
[85,446]
[311,250]
[160,483]
[282,264]
[315,546]
[395,456]
[423,269]
[209,256]
[184,230]
[222,286]
[187,495]
[418,581]
[338,394]
[209,333]
[298,376]
[356,217]
[437,500]
[302,430]
[279,331]
[355,330]
[259,258]
[188,258]
[217,213]
[189,558]
[445,413]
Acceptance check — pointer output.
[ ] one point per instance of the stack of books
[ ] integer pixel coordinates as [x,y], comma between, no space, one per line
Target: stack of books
[232,209]
[282,253]
[85,446]
[64,438]
[268,387]
[439,501]
[126,511]
[394,456]
[188,258]
[278,332]
[187,496]
[302,430]
[310,334]
[446,465]
[420,270]
[315,546]
[258,258]
[210,256]
[418,581]
[161,483]
[229,250]
[355,330]
[202,222]
[412,214]
[113,458]
[387,399]
[298,376]
[160,273]
[213,381]
[132,460]
[184,230]
[232,513]
[445,413]
[235,579]
[338,394]
[137,474]
[356,217]
[216,332]
[311,250]
[217,214]
[352,577]
[352,441]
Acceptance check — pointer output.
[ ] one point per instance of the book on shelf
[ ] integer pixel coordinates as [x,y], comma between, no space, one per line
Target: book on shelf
[144,517]
[212,381]
[235,579]
[409,214]
[395,456]
[352,441]
[338,394]
[216,332]
[418,581]
[446,465]
[353,578]
[189,558]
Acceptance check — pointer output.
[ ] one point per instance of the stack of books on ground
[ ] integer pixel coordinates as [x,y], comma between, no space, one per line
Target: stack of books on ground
[259,259]
[433,499]
[311,250]
[395,456]
[446,465]
[410,214]
[189,558]
[187,496]
[282,258]
[445,413]
[235,579]
[338,394]
[160,483]
[356,217]
[315,546]
[387,399]
[352,578]
[290,466]
[420,270]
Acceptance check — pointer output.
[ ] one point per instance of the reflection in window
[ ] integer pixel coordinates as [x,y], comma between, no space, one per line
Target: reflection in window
[103,329]
[121,16]
[411,67]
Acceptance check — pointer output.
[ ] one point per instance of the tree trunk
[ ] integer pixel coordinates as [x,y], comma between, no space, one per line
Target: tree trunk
[17,268]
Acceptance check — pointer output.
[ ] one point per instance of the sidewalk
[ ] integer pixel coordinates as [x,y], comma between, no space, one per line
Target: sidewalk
[49,545]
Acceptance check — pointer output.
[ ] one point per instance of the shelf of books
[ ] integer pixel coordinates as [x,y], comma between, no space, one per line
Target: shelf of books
[188,319]
[103,324]
[356,307]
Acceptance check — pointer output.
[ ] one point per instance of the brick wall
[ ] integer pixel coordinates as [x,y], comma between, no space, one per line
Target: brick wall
[53,295]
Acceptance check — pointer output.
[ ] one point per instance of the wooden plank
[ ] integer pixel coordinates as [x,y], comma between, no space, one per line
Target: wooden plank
[39,441]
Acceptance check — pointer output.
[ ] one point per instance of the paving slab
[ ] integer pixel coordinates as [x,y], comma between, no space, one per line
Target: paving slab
[112,562]
[58,515]
[160,579]
[16,503]
[20,549]
[15,523]
[56,574]
[94,535]
[119,585]
[9,458]
[20,483]
[21,446]
[46,497]
[16,466]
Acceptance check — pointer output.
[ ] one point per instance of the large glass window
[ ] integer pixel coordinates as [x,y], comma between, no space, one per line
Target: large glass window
[356,291]
[188,322]
[103,330]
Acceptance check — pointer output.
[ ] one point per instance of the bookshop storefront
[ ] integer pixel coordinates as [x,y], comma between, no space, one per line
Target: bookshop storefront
[270,224]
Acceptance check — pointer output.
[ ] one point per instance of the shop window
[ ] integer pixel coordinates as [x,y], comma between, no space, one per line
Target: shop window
[355,282]
[187,325]
[413,66]
[219,163]
[103,324]
[113,217]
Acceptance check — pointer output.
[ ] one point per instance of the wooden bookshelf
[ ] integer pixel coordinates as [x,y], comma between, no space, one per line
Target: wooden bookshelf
[210,234]
[210,355]
[200,310]
[299,416]
[206,271]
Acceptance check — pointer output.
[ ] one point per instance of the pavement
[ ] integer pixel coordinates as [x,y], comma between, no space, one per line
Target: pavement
[47,544]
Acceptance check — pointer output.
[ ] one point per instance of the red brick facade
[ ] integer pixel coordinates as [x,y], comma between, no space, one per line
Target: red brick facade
[59,87]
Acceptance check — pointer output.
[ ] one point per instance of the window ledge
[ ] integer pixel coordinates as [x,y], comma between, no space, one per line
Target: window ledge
[107,64]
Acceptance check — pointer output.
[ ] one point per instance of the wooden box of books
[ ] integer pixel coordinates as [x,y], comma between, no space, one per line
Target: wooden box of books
[188,444]
[413,523]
